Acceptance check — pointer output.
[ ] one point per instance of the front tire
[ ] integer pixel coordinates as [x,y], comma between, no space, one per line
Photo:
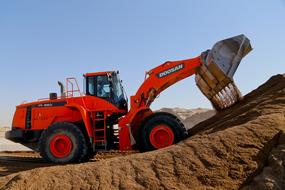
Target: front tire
[63,142]
[161,130]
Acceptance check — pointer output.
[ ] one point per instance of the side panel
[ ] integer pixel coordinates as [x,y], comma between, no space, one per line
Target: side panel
[40,115]
[19,120]
[45,116]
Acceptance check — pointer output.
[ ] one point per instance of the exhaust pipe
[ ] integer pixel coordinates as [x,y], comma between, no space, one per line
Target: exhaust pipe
[62,93]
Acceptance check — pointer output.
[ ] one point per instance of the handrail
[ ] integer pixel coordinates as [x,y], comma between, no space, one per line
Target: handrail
[71,81]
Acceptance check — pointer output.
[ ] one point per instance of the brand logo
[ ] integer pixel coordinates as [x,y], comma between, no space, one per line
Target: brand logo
[171,70]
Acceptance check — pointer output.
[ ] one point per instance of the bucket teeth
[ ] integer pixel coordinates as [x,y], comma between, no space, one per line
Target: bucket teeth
[226,97]
[215,75]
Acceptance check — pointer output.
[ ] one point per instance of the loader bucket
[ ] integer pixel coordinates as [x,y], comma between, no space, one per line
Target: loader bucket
[215,76]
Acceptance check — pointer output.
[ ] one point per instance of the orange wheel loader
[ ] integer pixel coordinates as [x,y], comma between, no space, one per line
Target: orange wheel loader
[75,125]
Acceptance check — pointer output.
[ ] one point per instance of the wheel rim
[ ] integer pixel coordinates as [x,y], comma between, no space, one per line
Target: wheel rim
[61,146]
[161,136]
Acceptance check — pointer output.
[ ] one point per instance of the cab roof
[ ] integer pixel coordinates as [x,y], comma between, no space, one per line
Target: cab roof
[98,73]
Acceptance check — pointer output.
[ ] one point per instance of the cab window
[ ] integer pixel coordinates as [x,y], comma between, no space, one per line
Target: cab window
[103,86]
[98,86]
[90,86]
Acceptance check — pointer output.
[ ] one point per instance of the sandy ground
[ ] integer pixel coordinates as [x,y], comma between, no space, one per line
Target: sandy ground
[272,175]
[16,161]
[239,148]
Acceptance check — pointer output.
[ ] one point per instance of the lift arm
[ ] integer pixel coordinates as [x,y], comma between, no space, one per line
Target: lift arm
[156,80]
[160,78]
[214,71]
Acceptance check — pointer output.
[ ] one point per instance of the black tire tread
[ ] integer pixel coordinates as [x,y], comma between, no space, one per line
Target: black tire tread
[160,117]
[83,148]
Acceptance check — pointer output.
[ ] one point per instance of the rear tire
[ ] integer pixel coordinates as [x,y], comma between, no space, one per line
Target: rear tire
[160,130]
[63,142]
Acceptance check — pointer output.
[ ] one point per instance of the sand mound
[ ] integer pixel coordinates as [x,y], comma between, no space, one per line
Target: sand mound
[228,151]
[273,174]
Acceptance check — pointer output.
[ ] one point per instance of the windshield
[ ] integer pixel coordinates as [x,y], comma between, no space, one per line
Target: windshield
[98,86]
[118,89]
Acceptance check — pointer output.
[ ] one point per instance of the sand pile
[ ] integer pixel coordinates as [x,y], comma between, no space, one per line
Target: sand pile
[273,174]
[236,148]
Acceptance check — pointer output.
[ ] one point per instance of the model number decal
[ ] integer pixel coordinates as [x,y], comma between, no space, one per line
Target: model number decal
[171,70]
[51,104]
[44,105]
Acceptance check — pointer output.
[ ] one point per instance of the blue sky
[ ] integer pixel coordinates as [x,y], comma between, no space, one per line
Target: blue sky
[42,42]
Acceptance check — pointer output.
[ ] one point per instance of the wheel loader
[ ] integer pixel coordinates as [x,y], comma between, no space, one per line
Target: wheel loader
[73,126]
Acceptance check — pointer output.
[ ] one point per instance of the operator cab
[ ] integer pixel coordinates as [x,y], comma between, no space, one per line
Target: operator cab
[106,85]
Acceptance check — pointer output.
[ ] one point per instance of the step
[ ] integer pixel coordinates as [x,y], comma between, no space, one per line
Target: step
[97,130]
[100,140]
[96,119]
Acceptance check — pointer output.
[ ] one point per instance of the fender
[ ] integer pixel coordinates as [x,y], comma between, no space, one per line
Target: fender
[128,130]
[85,117]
